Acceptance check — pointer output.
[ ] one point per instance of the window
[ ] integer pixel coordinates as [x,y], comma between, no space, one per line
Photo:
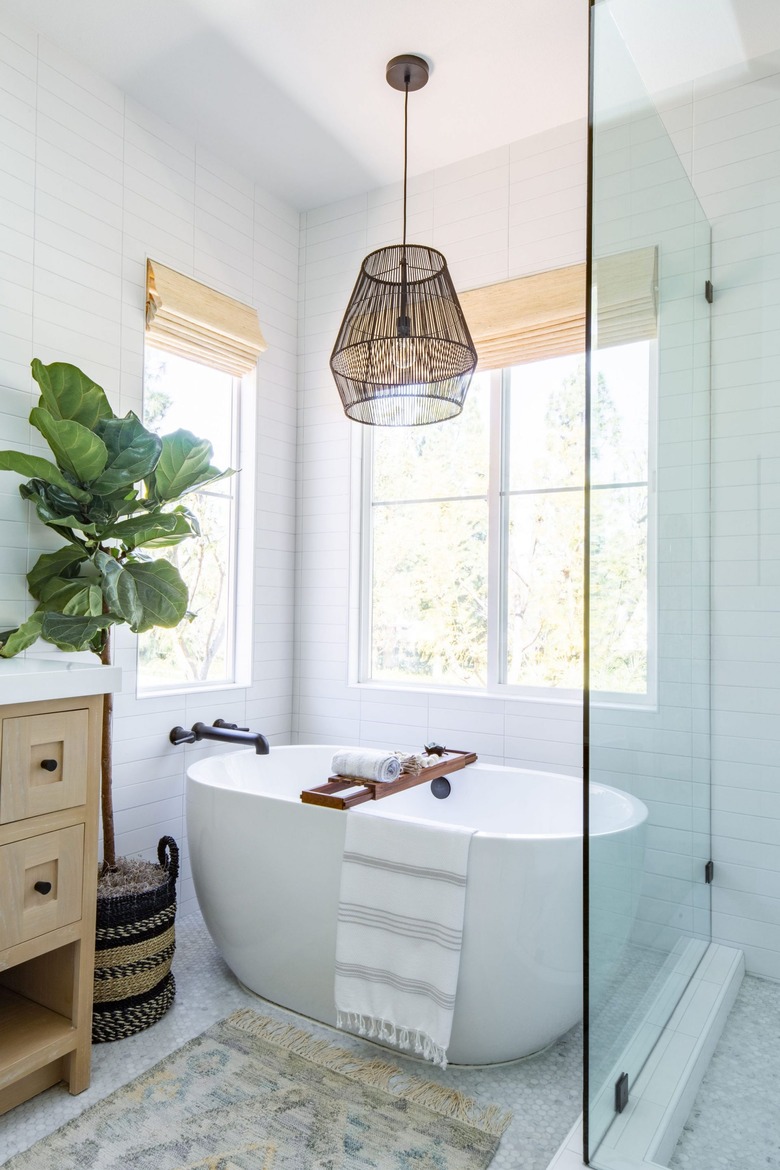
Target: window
[202,347]
[473,533]
[201,651]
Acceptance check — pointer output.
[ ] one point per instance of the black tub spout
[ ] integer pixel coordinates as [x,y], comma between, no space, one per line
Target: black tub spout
[224,734]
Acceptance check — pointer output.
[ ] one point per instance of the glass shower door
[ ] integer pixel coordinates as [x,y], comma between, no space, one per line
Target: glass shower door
[647,599]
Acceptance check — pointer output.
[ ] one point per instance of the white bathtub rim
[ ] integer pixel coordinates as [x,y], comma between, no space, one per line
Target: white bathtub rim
[207,772]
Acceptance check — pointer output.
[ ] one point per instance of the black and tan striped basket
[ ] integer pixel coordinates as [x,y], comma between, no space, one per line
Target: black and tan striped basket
[134,945]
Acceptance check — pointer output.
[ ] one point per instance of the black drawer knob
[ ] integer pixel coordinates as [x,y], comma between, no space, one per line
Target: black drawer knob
[49,765]
[42,887]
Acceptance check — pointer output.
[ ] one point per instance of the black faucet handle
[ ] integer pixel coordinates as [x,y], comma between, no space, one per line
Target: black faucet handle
[179,735]
[228,726]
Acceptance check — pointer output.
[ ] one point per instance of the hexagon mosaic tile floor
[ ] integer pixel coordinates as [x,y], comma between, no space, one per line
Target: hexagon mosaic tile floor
[735,1120]
[543,1091]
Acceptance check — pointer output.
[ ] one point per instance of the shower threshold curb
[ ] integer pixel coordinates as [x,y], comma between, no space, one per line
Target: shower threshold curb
[644,1135]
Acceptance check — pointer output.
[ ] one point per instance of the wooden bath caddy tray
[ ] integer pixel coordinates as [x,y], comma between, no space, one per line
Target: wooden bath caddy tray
[341,793]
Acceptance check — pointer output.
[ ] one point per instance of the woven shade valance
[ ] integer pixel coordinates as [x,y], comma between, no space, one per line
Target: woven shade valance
[196,322]
[626,297]
[543,316]
[527,319]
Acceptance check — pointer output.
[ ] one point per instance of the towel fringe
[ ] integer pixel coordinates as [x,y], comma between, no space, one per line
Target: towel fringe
[377,1073]
[407,1039]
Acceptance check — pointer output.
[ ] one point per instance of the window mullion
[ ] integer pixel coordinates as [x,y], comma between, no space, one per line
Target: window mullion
[365,664]
[232,589]
[496,555]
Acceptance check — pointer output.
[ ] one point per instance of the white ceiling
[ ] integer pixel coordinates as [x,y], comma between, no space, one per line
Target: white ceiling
[292,92]
[675,42]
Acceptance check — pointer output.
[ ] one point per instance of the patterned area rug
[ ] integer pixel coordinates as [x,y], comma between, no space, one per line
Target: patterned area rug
[252,1093]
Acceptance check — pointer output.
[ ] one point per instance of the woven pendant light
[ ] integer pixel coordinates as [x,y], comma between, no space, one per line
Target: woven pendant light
[403,355]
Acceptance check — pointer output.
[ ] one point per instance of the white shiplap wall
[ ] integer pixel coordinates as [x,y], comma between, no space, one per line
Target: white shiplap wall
[643,197]
[725,130]
[502,214]
[736,170]
[90,184]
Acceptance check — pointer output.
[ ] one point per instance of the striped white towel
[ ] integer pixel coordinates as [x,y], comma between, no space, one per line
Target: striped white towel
[400,925]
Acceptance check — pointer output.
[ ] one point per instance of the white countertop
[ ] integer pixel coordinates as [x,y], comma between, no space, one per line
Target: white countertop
[32,680]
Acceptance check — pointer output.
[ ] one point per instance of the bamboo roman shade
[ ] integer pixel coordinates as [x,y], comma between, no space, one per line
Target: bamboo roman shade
[626,297]
[196,322]
[543,316]
[527,319]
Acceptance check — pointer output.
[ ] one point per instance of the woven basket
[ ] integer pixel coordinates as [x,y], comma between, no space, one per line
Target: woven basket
[134,947]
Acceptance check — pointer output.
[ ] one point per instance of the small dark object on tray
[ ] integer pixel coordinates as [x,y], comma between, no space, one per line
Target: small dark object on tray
[434,749]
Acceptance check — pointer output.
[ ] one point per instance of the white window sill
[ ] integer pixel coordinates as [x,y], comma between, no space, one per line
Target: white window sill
[641,703]
[200,689]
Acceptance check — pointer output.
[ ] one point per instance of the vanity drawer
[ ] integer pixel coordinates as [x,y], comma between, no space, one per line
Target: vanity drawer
[43,764]
[53,860]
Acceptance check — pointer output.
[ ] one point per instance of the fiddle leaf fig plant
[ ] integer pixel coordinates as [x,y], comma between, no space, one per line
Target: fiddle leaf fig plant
[113,493]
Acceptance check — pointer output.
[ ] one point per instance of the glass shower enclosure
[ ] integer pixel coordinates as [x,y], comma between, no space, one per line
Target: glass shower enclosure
[647,726]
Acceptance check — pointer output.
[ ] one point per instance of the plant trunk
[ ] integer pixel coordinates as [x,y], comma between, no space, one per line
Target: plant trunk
[106,801]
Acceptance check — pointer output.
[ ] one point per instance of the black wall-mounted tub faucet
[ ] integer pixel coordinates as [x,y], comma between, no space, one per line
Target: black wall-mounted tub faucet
[223,732]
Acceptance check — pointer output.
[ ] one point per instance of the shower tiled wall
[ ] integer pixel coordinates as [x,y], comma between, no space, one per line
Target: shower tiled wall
[512,211]
[726,129]
[736,170]
[659,751]
[90,184]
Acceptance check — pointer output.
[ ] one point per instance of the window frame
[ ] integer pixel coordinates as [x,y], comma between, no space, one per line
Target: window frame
[240,638]
[497,627]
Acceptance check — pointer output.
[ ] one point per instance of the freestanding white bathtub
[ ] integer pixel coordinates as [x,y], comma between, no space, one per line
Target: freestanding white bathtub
[267,868]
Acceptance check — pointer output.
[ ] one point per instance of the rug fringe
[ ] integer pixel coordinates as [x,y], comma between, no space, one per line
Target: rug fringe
[377,1073]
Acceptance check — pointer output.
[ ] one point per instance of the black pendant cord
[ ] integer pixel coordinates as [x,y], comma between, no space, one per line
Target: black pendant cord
[406,152]
[403,321]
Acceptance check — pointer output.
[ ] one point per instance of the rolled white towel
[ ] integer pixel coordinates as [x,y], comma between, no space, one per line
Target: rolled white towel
[366,764]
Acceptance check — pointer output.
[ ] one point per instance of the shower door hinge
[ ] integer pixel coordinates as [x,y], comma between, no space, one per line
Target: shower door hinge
[709,872]
[621,1092]
[709,291]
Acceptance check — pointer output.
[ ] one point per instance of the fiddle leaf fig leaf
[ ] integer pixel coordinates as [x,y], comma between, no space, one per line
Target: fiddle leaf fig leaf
[39,468]
[71,632]
[155,530]
[130,503]
[75,447]
[119,589]
[161,592]
[213,475]
[63,562]
[184,461]
[181,530]
[14,641]
[50,511]
[67,393]
[133,453]
[61,503]
[191,518]
[80,597]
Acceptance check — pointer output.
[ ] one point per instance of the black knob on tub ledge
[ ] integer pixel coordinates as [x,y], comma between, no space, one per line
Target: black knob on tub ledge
[42,887]
[49,765]
[441,787]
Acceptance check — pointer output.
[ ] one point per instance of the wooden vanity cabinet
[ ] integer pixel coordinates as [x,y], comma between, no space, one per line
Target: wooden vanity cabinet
[49,801]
